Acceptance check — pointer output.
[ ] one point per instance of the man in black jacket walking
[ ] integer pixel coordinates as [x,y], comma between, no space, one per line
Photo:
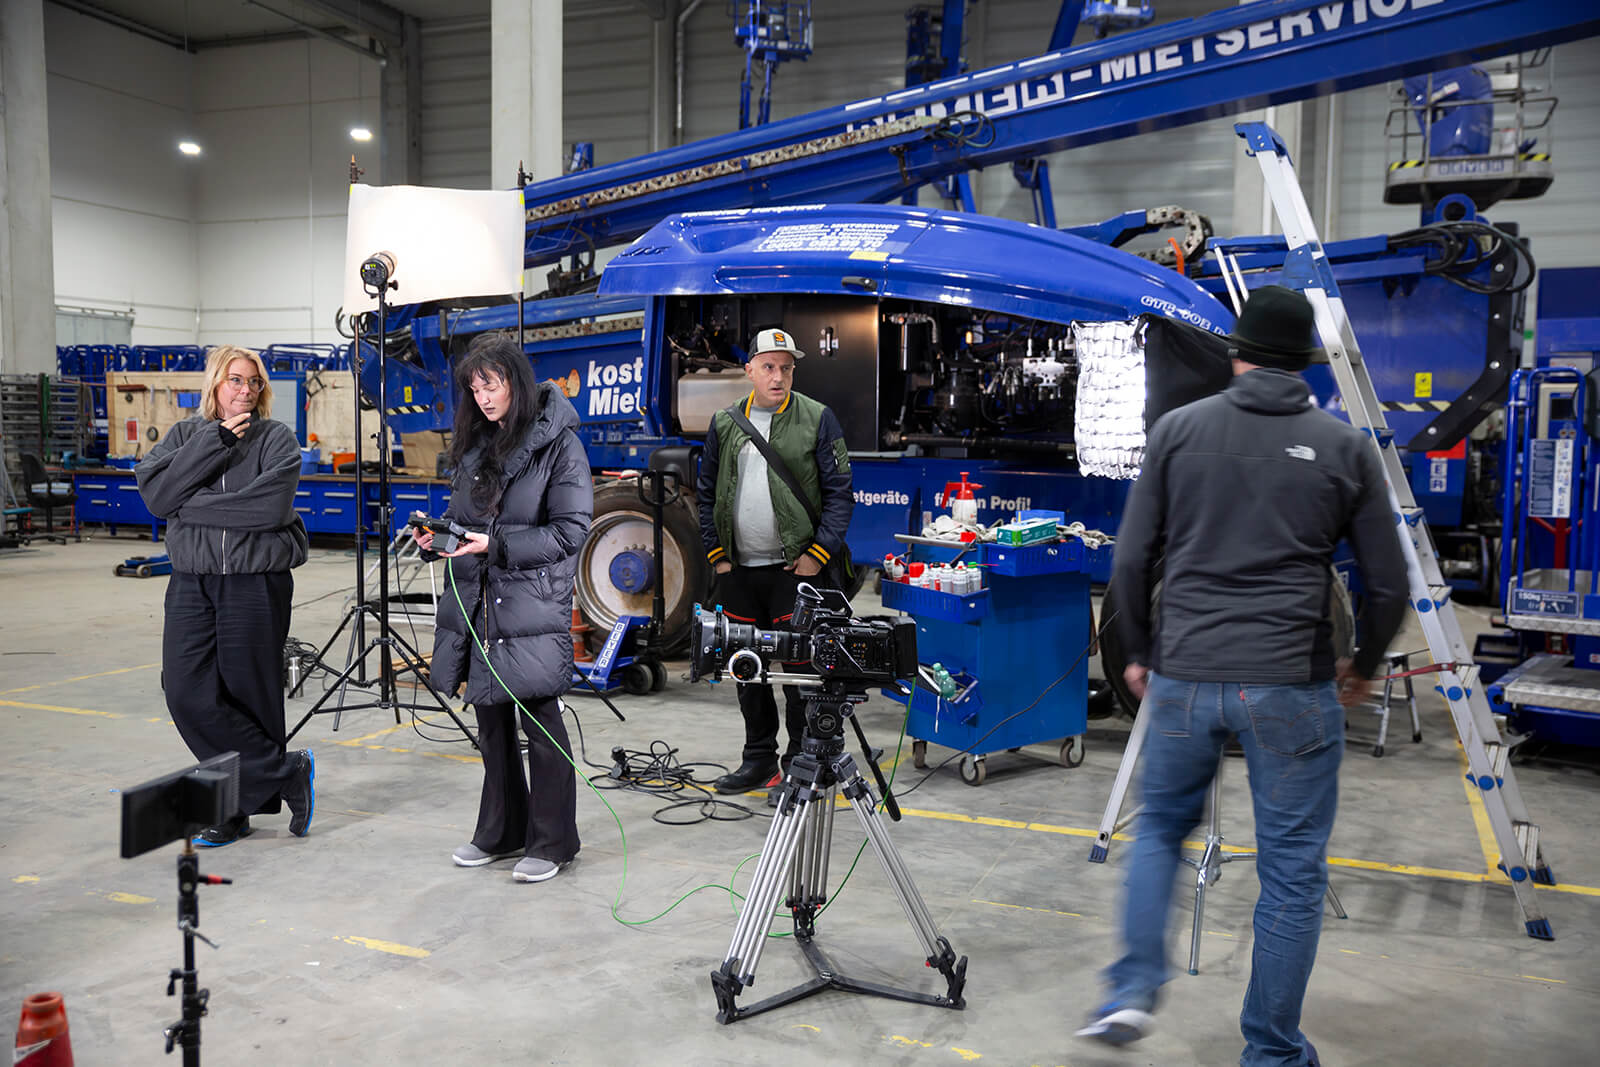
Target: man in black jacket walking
[1246,494]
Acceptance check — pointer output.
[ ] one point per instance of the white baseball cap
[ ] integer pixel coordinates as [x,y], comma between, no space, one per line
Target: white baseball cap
[776,341]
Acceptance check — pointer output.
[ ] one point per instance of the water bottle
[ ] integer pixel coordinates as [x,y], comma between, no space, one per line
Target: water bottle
[947,685]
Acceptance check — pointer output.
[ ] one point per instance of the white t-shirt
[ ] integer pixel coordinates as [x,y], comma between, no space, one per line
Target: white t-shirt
[755,523]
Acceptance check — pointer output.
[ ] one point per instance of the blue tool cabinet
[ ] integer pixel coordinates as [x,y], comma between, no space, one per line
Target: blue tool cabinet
[1004,646]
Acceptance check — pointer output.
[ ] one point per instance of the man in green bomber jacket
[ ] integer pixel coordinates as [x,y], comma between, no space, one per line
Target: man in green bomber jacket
[759,538]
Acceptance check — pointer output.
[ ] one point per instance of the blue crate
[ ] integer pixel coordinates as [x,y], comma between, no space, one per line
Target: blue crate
[935,604]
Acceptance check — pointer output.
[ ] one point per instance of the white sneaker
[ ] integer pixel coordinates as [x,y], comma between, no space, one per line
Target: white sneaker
[470,855]
[534,869]
[1118,1026]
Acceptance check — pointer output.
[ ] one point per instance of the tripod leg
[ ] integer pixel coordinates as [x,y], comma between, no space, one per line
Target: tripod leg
[414,665]
[1333,900]
[1208,869]
[936,949]
[808,881]
[1119,789]
[772,872]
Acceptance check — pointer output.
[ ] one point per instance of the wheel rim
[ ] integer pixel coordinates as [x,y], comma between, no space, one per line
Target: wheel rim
[601,602]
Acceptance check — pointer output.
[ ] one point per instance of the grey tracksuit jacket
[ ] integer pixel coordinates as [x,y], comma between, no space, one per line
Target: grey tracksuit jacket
[1247,493]
[229,508]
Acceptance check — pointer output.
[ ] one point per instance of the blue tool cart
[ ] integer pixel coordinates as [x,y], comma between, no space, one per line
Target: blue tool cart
[1016,651]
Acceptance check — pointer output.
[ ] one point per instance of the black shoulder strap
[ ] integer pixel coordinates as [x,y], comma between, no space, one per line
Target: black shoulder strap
[776,462]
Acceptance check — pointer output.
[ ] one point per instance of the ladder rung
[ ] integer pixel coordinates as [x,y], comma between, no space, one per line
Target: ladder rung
[1412,515]
[1498,756]
[1528,838]
[1382,434]
[1458,684]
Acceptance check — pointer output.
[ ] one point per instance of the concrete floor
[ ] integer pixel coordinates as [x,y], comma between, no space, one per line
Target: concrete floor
[362,944]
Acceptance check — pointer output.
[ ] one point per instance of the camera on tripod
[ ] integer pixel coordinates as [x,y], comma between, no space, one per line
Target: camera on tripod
[846,652]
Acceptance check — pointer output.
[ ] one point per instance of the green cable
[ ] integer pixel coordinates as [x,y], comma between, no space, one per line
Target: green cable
[616,902]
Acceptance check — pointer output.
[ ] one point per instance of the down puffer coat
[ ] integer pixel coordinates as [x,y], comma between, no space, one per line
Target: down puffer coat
[518,594]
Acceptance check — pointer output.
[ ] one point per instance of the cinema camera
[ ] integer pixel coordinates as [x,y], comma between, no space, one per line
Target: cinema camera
[841,652]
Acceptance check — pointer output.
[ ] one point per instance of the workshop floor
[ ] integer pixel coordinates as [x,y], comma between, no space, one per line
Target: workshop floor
[362,944]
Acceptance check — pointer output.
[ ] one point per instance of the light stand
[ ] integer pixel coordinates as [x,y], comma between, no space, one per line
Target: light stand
[186,1031]
[795,857]
[376,279]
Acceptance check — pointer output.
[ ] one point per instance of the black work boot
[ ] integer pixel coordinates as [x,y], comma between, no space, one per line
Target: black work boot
[752,774]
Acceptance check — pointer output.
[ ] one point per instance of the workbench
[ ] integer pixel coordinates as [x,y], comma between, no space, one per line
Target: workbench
[326,502]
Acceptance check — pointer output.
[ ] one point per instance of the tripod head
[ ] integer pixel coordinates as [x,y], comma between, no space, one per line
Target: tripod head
[827,707]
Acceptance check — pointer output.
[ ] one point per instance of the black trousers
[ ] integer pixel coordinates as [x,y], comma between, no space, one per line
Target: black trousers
[764,597]
[222,669]
[537,815]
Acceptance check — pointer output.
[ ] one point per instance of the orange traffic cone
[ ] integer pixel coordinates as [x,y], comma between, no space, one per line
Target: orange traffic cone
[42,1038]
[580,650]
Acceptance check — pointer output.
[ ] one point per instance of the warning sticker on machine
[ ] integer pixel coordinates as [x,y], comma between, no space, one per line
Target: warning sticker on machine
[1550,478]
[833,237]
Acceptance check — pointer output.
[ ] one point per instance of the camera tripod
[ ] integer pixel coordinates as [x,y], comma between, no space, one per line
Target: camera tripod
[387,641]
[795,857]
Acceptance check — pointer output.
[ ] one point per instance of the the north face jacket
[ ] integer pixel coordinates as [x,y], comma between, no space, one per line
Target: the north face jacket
[1247,493]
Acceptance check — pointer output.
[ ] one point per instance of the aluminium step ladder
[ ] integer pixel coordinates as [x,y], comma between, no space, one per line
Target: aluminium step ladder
[1488,755]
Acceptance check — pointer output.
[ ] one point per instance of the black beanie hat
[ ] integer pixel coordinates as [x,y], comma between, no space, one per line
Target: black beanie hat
[1277,329]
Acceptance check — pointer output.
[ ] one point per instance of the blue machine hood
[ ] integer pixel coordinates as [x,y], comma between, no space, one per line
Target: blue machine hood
[894,252]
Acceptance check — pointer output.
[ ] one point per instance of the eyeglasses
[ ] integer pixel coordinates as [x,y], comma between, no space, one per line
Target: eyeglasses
[254,384]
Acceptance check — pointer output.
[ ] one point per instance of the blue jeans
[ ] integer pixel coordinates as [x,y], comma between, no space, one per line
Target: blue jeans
[1293,739]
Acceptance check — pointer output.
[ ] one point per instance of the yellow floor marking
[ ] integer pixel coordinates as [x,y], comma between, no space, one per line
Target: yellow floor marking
[1480,819]
[57,707]
[24,879]
[79,678]
[392,947]
[898,1039]
[1026,907]
[966,1053]
[1536,978]
[130,898]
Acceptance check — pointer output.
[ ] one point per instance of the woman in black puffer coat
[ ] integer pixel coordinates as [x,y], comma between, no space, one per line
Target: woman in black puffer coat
[522,486]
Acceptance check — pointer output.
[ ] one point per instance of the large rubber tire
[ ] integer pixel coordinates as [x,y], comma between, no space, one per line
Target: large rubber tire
[1113,662]
[622,522]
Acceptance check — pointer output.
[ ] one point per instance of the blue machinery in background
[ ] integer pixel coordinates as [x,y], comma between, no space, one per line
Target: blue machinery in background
[1550,556]
[770,32]
[645,370]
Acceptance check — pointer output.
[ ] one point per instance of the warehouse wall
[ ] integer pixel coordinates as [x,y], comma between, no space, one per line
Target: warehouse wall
[273,191]
[121,195]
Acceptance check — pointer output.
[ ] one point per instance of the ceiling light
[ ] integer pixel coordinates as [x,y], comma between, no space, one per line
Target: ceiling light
[189,148]
[360,133]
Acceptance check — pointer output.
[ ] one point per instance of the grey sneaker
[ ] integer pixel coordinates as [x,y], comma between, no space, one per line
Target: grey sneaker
[534,869]
[470,855]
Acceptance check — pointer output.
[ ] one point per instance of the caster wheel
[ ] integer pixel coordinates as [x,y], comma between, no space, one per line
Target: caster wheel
[919,755]
[658,676]
[974,769]
[143,571]
[637,679]
[1072,751]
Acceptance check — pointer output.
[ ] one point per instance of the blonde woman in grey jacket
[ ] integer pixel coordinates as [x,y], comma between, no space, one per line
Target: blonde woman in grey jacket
[224,481]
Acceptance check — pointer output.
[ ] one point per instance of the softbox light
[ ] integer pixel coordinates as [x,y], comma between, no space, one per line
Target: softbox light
[446,243]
